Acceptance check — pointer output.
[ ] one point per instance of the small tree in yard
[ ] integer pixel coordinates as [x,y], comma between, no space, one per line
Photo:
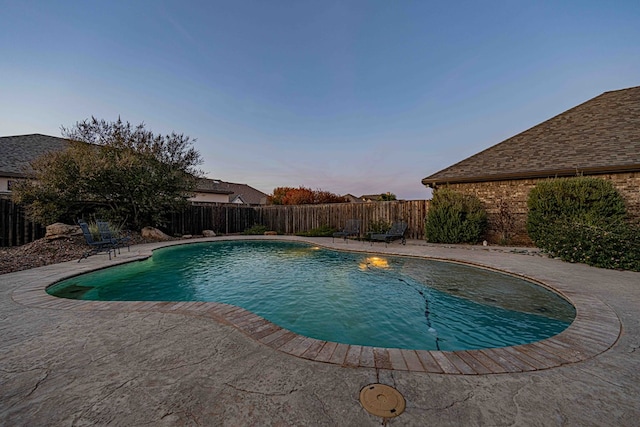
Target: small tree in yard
[127,173]
[505,221]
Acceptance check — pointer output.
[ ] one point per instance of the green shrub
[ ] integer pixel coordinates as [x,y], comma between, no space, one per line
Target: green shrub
[322,231]
[116,230]
[377,227]
[613,246]
[455,218]
[256,229]
[587,200]
[93,229]
[582,219]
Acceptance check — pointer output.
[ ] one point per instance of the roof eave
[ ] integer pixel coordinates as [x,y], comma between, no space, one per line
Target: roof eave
[555,173]
[200,190]
[13,174]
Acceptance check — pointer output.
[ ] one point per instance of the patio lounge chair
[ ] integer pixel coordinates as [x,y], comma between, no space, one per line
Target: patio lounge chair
[352,228]
[396,231]
[97,246]
[107,235]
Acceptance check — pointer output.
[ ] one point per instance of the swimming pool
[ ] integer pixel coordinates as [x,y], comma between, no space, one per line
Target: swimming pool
[354,298]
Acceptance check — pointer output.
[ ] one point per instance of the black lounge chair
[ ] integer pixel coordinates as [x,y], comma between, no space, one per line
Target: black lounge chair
[396,231]
[97,246]
[352,228]
[107,235]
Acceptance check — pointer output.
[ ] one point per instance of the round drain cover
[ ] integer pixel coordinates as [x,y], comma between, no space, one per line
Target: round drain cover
[382,400]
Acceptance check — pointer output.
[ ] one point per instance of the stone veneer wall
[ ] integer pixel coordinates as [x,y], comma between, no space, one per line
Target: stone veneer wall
[516,193]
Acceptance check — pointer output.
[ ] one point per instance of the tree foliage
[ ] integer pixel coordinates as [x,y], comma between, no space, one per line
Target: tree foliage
[302,196]
[455,218]
[128,173]
[387,197]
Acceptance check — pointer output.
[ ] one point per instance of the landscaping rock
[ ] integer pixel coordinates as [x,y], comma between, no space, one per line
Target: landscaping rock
[270,233]
[153,234]
[208,233]
[187,236]
[61,231]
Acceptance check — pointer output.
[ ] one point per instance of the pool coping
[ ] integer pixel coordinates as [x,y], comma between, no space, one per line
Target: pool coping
[595,329]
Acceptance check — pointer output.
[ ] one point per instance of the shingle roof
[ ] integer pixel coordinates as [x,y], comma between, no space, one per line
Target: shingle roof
[17,152]
[214,186]
[248,194]
[601,135]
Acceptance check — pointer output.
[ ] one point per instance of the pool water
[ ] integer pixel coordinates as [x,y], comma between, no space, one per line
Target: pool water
[346,297]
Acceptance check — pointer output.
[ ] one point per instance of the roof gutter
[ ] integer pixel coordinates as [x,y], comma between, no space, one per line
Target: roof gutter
[554,173]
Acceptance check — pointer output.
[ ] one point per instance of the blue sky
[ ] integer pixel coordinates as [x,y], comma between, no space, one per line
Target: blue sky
[355,97]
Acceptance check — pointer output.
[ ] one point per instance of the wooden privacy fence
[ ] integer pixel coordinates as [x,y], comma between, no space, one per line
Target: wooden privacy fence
[229,219]
[299,218]
[15,228]
[222,218]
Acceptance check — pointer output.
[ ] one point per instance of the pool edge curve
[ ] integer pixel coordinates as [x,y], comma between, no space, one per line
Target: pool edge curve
[595,329]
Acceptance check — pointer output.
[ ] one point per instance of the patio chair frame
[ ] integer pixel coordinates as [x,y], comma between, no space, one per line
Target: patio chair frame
[351,228]
[108,235]
[96,246]
[397,231]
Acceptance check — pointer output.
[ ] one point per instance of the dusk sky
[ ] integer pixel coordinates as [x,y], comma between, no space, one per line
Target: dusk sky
[357,97]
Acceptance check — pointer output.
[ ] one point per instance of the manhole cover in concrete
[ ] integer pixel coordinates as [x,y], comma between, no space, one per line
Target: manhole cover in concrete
[382,400]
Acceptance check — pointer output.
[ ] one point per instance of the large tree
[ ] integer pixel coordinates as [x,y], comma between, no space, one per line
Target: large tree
[125,172]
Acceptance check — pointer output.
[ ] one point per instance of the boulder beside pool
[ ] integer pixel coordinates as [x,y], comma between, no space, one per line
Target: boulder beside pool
[59,230]
[152,233]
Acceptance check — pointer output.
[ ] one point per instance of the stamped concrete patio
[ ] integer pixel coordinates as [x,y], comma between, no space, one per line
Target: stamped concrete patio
[65,362]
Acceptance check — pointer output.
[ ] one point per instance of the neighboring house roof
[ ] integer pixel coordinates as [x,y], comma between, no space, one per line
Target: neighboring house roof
[599,136]
[237,192]
[17,152]
[370,197]
[353,199]
[213,186]
[373,197]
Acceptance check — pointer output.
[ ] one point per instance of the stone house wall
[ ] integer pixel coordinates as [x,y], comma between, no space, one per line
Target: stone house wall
[515,194]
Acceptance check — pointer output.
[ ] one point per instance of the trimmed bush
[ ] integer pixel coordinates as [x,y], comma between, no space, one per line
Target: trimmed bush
[322,231]
[380,226]
[255,230]
[455,218]
[588,200]
[583,219]
[614,246]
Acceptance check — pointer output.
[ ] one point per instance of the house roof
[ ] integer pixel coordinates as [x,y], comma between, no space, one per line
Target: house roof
[353,199]
[213,186]
[19,151]
[602,135]
[246,193]
[370,196]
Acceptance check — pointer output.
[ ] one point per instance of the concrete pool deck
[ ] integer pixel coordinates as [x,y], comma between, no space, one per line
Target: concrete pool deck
[65,362]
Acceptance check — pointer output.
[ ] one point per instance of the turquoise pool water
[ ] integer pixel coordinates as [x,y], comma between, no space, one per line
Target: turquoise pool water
[346,297]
